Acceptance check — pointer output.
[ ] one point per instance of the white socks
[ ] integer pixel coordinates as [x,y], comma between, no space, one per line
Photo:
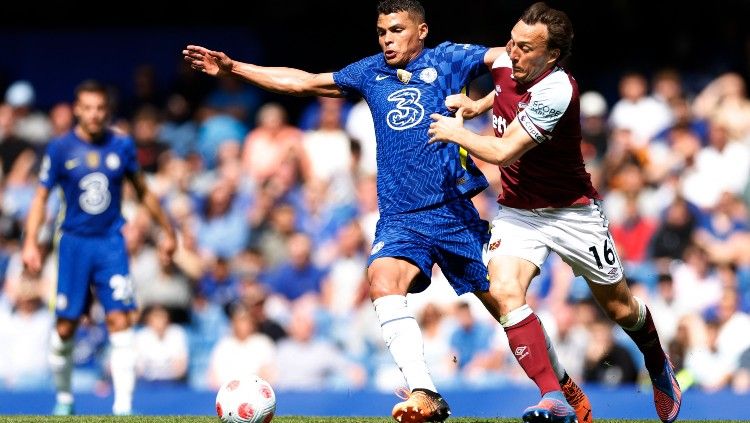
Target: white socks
[516,316]
[61,363]
[122,365]
[403,338]
[641,316]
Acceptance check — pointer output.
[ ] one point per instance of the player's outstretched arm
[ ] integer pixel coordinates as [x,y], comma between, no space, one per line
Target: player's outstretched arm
[31,253]
[276,79]
[500,151]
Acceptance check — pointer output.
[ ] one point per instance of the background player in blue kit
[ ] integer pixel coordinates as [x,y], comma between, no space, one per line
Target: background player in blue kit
[90,164]
[424,190]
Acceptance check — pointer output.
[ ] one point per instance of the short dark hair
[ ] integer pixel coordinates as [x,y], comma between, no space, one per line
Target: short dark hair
[91,86]
[559,27]
[413,7]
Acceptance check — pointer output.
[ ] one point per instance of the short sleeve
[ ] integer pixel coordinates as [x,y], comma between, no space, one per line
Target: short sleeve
[130,158]
[350,79]
[48,172]
[548,103]
[465,60]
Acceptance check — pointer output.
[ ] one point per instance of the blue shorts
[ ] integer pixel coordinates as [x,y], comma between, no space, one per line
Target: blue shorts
[451,235]
[98,263]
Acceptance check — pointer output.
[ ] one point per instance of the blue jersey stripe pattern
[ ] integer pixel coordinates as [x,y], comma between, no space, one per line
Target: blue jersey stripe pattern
[412,174]
[91,176]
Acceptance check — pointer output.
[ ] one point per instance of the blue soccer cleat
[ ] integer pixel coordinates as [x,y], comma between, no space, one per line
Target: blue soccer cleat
[667,393]
[553,408]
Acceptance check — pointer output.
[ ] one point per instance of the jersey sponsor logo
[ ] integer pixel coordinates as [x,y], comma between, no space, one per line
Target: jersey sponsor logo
[522,105]
[72,163]
[499,123]
[498,90]
[95,197]
[529,126]
[408,112]
[380,77]
[377,247]
[613,273]
[428,75]
[403,76]
[112,161]
[543,110]
[466,46]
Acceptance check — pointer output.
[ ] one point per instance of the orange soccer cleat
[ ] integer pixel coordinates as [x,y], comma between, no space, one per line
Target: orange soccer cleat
[420,405]
[578,400]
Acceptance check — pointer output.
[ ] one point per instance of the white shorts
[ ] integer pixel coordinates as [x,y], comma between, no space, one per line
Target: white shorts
[578,234]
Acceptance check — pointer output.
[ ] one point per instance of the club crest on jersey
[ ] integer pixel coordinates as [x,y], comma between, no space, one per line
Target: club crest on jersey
[403,76]
[112,161]
[428,75]
[494,245]
[522,105]
[92,159]
[498,90]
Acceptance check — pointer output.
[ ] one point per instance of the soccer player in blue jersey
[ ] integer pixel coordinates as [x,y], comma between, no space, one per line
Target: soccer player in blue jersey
[90,164]
[424,190]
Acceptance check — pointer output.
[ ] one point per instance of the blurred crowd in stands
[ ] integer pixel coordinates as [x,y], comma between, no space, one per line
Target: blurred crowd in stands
[276,218]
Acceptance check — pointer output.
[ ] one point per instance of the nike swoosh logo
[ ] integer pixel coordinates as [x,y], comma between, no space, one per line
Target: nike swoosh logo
[380,77]
[70,164]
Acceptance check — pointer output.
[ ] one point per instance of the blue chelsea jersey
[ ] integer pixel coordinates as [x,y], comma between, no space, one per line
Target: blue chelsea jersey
[413,174]
[91,177]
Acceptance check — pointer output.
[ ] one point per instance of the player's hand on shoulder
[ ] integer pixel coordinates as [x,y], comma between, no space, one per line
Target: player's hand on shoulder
[207,61]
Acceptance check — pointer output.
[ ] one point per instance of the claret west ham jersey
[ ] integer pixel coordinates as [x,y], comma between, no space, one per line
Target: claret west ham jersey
[553,173]
[413,174]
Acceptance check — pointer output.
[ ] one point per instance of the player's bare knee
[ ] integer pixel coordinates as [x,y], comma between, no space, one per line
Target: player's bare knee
[117,321]
[65,329]
[65,332]
[381,285]
[507,291]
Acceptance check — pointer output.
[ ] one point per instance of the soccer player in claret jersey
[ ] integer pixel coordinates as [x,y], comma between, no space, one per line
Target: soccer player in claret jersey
[548,202]
[90,164]
[424,190]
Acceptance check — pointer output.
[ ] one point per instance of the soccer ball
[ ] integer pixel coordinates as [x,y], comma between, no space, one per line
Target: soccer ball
[249,400]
